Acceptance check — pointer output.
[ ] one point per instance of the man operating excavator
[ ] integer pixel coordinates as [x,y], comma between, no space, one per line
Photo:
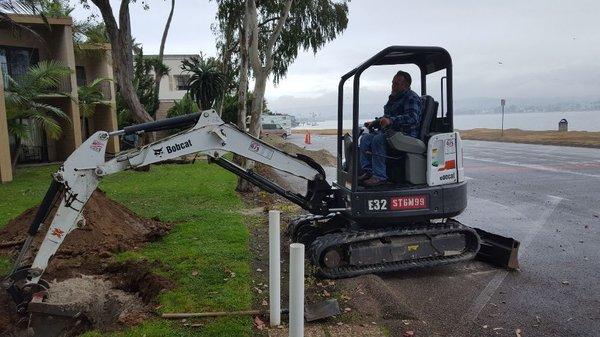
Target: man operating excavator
[402,113]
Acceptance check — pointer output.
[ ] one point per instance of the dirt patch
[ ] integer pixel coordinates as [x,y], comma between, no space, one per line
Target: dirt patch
[110,228]
[323,157]
[570,138]
[372,297]
[96,298]
[136,277]
[119,294]
[121,297]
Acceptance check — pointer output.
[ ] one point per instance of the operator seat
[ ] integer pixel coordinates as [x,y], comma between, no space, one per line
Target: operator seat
[415,149]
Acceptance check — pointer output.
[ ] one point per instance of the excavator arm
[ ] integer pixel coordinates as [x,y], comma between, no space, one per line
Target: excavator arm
[80,174]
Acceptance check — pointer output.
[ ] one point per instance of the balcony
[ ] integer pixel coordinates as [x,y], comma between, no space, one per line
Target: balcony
[105,89]
[62,89]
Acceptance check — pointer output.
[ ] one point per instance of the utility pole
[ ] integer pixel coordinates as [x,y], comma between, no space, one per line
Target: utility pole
[502,103]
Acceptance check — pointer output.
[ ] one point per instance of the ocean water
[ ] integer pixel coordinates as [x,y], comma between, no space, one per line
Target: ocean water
[538,121]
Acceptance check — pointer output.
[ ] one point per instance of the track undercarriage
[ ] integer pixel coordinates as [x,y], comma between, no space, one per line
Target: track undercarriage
[341,248]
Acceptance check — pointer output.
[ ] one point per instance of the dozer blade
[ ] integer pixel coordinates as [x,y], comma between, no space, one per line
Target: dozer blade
[498,250]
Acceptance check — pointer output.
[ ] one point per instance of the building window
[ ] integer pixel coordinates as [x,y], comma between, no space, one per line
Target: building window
[181,82]
[15,61]
[81,78]
[4,67]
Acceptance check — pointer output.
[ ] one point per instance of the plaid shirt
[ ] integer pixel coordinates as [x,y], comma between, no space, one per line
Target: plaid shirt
[404,109]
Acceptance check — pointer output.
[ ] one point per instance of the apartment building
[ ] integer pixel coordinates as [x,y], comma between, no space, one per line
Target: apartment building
[172,86]
[21,49]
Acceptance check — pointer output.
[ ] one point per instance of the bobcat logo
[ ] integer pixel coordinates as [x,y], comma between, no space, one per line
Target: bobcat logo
[158,152]
[57,232]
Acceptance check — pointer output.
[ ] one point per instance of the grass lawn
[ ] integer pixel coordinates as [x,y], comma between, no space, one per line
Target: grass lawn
[25,191]
[208,243]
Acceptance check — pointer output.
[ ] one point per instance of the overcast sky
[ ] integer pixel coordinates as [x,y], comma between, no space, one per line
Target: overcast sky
[508,48]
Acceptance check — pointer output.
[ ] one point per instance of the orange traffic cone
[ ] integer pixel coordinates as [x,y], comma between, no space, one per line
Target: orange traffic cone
[307,138]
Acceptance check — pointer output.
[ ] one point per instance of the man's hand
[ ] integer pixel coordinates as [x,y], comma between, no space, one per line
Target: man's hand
[384,122]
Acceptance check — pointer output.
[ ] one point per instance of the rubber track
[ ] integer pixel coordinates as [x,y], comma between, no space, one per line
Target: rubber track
[322,243]
[304,220]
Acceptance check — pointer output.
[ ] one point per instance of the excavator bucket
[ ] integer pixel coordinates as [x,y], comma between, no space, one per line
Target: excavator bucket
[498,250]
[50,320]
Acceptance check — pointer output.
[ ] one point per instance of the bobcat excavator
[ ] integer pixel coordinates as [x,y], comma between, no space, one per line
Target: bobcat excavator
[351,230]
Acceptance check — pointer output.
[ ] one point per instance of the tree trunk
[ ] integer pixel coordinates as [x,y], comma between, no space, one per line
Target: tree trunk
[226,52]
[18,149]
[122,55]
[260,84]
[158,76]
[242,94]
[261,65]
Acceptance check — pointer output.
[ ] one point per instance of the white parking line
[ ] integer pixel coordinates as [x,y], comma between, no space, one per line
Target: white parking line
[487,293]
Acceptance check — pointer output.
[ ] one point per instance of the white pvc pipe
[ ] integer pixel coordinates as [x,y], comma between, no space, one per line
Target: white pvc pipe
[274,269]
[296,290]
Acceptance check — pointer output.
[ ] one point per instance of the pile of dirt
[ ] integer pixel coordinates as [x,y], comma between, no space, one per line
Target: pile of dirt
[110,228]
[118,294]
[323,157]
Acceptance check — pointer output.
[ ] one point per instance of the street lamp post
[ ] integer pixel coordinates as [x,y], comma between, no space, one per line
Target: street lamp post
[502,103]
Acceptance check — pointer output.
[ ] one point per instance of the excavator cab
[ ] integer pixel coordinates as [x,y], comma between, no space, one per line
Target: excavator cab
[426,175]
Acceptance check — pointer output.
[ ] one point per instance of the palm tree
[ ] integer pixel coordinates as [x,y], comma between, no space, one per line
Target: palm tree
[206,80]
[183,107]
[22,102]
[90,96]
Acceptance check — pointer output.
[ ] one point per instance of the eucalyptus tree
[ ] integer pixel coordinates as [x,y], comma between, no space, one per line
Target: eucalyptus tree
[275,31]
[279,30]
[267,38]
[121,41]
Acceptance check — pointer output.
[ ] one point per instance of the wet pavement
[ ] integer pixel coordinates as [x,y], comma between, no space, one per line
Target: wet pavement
[548,197]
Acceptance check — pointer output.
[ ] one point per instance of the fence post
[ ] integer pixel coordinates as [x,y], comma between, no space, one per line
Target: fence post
[274,268]
[296,290]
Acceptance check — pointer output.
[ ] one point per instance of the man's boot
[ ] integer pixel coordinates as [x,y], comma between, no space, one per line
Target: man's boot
[373,181]
[366,175]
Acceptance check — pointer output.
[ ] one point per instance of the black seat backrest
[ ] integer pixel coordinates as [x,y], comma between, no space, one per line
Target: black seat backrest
[428,112]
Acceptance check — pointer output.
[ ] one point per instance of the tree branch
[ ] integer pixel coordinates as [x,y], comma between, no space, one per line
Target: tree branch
[276,33]
[268,20]
[253,52]
[166,32]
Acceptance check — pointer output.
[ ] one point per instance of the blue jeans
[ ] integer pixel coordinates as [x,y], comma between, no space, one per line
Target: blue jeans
[374,161]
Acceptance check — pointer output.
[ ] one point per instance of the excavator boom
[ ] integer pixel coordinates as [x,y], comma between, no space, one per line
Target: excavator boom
[80,174]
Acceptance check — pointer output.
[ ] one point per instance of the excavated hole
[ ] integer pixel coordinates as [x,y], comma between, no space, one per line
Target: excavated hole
[83,274]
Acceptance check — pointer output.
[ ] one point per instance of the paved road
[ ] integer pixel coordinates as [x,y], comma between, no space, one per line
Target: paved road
[548,197]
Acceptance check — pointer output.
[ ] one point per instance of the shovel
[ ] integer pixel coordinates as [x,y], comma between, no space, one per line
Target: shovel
[312,312]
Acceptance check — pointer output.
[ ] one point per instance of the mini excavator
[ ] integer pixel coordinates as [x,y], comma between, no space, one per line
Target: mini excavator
[350,230]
